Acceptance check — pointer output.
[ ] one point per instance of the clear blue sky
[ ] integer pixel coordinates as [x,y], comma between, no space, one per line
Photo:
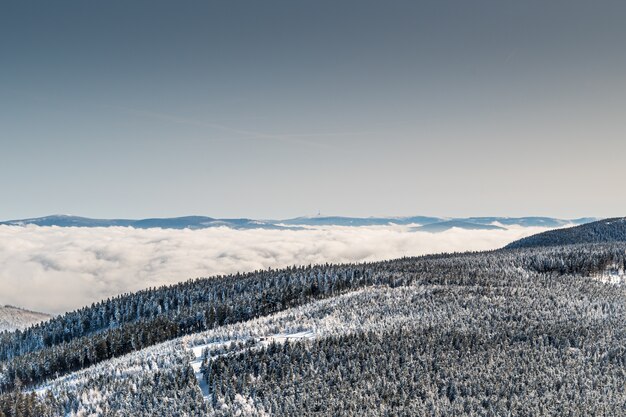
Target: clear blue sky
[274,109]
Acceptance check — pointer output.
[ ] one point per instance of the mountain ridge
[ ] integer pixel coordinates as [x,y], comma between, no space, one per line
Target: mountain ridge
[601,231]
[459,224]
[204,222]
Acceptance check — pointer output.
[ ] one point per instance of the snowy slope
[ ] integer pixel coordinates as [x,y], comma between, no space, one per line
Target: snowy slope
[442,341]
[603,231]
[12,318]
[167,378]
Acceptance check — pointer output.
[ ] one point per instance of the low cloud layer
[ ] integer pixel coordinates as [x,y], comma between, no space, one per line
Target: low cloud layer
[55,269]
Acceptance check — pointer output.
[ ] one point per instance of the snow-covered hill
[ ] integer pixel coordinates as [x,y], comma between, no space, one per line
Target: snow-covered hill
[464,334]
[168,377]
[12,318]
[602,231]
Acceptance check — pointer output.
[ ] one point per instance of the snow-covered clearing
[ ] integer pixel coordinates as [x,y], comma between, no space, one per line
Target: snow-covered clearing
[612,275]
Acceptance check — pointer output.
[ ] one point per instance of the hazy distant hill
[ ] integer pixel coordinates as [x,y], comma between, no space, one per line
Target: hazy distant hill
[530,221]
[67,221]
[202,222]
[12,318]
[603,231]
[187,222]
[359,221]
[459,224]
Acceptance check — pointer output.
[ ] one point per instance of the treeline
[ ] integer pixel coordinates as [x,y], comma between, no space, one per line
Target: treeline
[34,356]
[176,301]
[134,321]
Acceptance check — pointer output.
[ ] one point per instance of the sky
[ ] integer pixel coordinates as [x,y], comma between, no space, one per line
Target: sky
[275,109]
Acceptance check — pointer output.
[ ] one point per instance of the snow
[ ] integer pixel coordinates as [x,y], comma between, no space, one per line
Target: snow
[614,275]
[196,364]
[42,389]
[197,352]
[283,337]
[614,278]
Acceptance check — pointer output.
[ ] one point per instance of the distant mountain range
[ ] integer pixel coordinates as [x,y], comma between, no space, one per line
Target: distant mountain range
[603,231]
[439,227]
[13,318]
[421,223]
[359,221]
[187,222]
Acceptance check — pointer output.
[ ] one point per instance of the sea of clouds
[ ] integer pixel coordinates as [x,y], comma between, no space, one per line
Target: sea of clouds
[56,269]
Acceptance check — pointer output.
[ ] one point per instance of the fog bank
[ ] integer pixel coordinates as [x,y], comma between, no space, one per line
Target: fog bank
[56,269]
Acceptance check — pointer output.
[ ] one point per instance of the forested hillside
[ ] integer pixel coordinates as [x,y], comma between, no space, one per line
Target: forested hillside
[463,334]
[603,231]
